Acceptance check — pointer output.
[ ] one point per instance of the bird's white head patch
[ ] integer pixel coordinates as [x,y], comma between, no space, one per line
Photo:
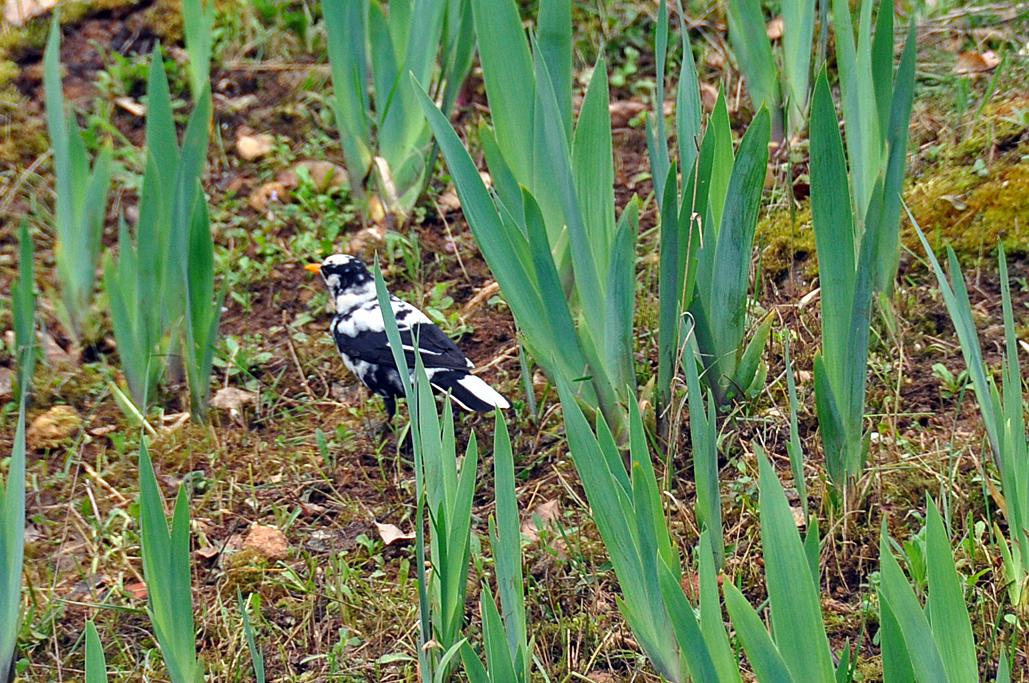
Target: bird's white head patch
[348,280]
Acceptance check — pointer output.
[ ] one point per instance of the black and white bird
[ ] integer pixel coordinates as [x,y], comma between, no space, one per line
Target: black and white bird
[360,335]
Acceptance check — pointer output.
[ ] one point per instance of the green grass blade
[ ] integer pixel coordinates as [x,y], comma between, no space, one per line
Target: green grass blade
[23,314]
[256,658]
[703,440]
[793,446]
[96,663]
[12,548]
[955,297]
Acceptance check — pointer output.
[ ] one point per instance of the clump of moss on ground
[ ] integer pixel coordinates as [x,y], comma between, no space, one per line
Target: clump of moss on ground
[784,238]
[970,212]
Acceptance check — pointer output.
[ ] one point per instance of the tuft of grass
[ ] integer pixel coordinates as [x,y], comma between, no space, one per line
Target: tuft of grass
[386,142]
[81,196]
[166,568]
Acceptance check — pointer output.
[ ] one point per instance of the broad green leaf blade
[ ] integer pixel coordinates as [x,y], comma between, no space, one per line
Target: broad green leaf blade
[593,168]
[670,283]
[753,52]
[554,37]
[727,308]
[834,231]
[945,604]
[506,541]
[798,19]
[688,110]
[764,657]
[896,663]
[703,441]
[657,137]
[687,631]
[793,446]
[12,547]
[198,22]
[888,226]
[96,663]
[792,591]
[346,31]
[23,314]
[712,623]
[508,75]
[898,596]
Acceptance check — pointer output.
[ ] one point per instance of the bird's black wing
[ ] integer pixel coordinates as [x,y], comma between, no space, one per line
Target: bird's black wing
[437,350]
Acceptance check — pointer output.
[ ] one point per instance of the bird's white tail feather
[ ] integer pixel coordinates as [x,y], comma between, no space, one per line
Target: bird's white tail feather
[483,391]
[468,391]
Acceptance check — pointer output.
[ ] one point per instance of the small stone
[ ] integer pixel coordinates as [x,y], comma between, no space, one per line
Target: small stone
[269,192]
[268,542]
[53,427]
[251,147]
[324,174]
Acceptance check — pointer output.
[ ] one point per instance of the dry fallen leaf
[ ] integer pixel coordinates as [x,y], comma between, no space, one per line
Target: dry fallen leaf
[255,146]
[543,517]
[774,29]
[207,552]
[324,174]
[53,427]
[376,211]
[972,63]
[136,589]
[390,534]
[232,399]
[55,354]
[6,381]
[268,542]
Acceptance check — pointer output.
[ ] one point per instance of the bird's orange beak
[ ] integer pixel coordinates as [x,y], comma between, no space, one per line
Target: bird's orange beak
[313,268]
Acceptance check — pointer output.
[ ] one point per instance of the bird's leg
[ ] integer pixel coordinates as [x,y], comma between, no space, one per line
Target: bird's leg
[391,408]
